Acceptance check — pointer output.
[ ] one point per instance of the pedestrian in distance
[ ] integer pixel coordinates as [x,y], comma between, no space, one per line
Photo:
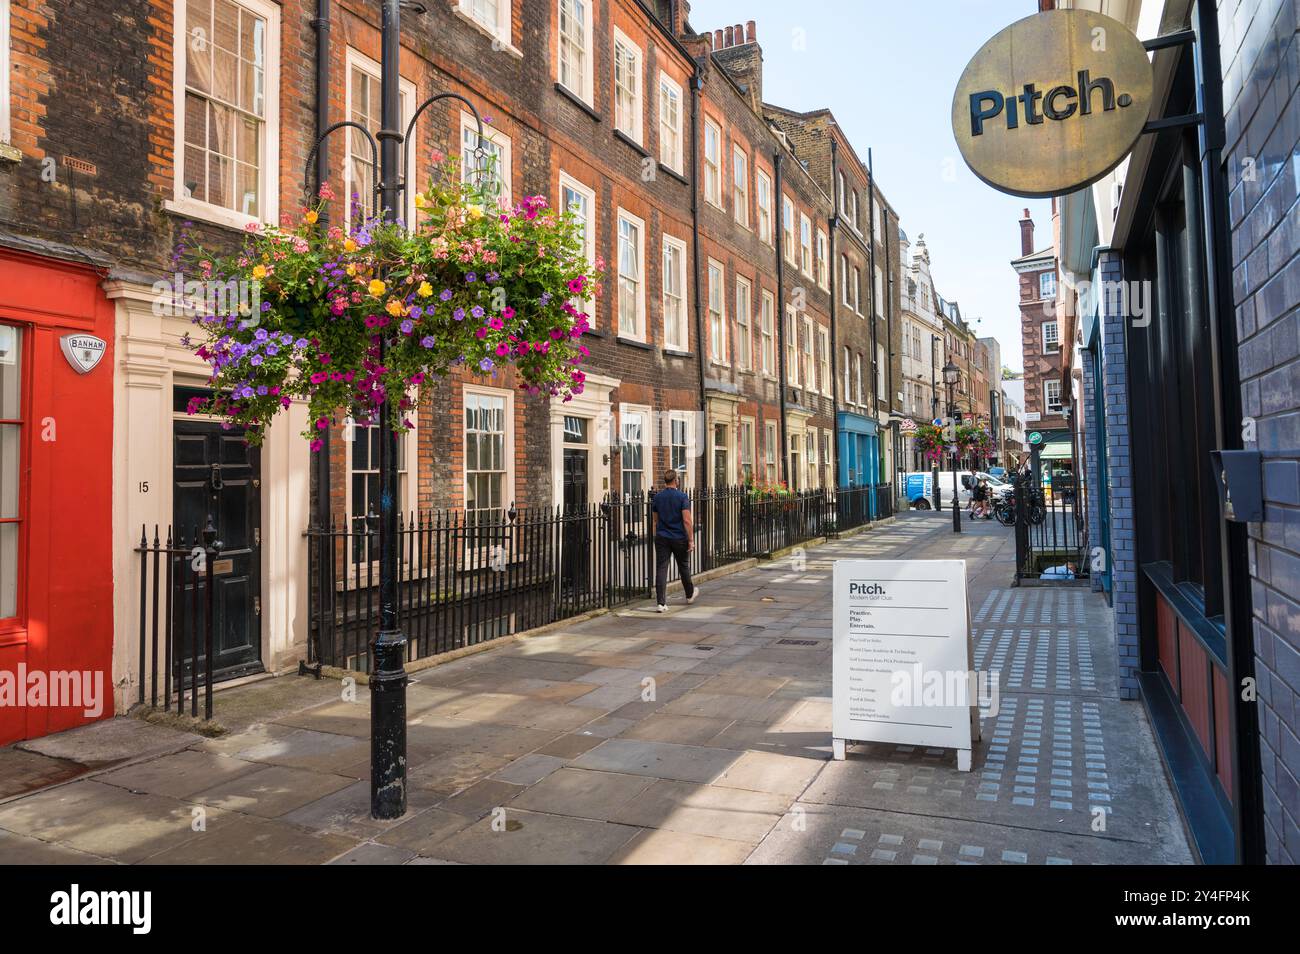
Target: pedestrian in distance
[671,511]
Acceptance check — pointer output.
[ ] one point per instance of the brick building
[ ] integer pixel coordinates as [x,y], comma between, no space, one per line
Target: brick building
[127,126]
[1040,330]
[864,302]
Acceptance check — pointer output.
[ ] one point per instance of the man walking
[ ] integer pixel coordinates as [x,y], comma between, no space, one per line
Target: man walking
[673,539]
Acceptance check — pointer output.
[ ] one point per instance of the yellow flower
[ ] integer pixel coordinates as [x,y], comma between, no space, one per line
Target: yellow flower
[425,289]
[259,271]
[395,308]
[475,212]
[349,246]
[376,287]
[352,270]
[420,200]
[311,216]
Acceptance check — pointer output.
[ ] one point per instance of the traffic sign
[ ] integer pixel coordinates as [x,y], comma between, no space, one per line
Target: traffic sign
[1035,437]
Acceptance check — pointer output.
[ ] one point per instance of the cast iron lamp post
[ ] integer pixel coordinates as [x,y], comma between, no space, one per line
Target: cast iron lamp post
[388,649]
[951,373]
[934,413]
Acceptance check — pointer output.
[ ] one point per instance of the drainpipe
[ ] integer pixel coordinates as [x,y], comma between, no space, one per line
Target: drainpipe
[871,281]
[835,341]
[885,287]
[779,232]
[702,440]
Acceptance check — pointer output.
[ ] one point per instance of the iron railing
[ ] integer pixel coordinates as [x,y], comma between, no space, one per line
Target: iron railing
[176,627]
[470,577]
[1051,528]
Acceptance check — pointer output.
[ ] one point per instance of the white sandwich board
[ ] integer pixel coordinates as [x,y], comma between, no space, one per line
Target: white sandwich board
[901,658]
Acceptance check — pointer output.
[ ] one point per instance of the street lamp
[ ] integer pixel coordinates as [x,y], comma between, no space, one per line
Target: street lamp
[388,649]
[951,374]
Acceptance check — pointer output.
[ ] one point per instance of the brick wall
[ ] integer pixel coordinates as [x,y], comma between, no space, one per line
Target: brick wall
[1261,73]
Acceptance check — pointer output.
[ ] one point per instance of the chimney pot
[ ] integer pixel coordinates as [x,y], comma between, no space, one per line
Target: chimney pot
[740,34]
[717,39]
[750,36]
[729,36]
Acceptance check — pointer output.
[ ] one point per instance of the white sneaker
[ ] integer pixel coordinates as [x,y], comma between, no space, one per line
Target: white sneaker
[691,599]
[663,608]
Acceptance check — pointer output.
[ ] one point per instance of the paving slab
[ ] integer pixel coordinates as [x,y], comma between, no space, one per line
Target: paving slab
[704,810]
[680,848]
[423,831]
[178,775]
[582,793]
[692,763]
[272,790]
[531,838]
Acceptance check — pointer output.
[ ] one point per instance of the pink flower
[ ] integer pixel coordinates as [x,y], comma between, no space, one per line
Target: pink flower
[317,445]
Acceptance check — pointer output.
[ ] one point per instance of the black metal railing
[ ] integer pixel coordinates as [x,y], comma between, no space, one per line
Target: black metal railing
[467,577]
[1051,522]
[176,627]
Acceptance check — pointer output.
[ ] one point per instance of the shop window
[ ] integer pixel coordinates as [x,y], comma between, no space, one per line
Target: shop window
[11,489]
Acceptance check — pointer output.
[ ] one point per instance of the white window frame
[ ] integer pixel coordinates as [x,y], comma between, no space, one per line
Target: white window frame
[356,60]
[744,325]
[824,358]
[647,445]
[639,332]
[1048,348]
[635,131]
[848,371]
[809,355]
[499,31]
[351,432]
[805,245]
[763,194]
[844,279]
[771,438]
[269,168]
[505,168]
[844,194]
[589,230]
[745,434]
[767,332]
[1047,399]
[670,91]
[719,347]
[740,184]
[792,345]
[857,379]
[586,80]
[508,480]
[675,342]
[787,227]
[713,164]
[878,293]
[1049,277]
[857,289]
[880,373]
[822,258]
[687,419]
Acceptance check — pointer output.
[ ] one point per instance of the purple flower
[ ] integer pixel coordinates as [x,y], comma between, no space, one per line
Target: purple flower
[417,312]
[272,350]
[301,343]
[445,294]
[260,334]
[477,311]
[255,359]
[486,364]
[427,341]
[471,277]
[407,327]
[459,314]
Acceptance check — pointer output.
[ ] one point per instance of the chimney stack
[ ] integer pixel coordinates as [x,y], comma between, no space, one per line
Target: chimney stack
[1026,234]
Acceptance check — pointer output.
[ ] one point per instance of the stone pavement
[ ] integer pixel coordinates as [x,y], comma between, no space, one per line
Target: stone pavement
[550,749]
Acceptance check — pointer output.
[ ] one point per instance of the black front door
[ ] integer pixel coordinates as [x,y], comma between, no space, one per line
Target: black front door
[577,535]
[216,474]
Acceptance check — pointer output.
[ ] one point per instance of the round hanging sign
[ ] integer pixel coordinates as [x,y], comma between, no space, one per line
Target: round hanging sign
[1052,103]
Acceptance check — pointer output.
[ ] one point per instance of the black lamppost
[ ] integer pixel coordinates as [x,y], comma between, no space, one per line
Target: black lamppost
[951,374]
[934,413]
[388,649]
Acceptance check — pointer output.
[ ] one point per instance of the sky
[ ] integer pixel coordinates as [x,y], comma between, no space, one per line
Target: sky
[887,70]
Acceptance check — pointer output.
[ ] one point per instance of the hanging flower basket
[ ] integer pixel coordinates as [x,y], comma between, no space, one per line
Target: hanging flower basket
[343,320]
[974,440]
[929,441]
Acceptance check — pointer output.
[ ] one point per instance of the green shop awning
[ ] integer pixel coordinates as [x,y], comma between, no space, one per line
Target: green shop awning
[1057,450]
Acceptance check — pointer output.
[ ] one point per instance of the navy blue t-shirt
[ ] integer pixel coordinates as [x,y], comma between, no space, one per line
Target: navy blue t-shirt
[668,505]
